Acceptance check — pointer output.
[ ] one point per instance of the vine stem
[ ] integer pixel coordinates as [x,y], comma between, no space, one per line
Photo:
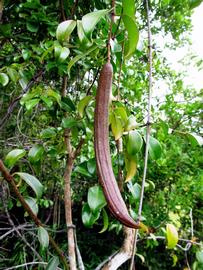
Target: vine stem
[148,129]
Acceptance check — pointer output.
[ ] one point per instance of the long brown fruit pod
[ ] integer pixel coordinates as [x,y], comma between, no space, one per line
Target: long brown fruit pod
[9,178]
[107,179]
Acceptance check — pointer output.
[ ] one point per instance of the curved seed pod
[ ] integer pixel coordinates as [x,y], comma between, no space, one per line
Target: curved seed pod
[101,143]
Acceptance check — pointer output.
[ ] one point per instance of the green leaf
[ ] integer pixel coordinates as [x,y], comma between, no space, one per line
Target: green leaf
[13,156]
[53,263]
[33,182]
[83,171]
[194,3]
[43,237]
[48,133]
[88,217]
[142,258]
[69,122]
[195,139]
[55,95]
[13,74]
[57,49]
[80,56]
[133,35]
[36,153]
[131,123]
[81,34]
[32,204]
[64,54]
[48,101]
[116,126]
[91,19]
[129,7]
[64,30]
[105,221]
[154,148]
[31,103]
[121,113]
[83,104]
[171,235]
[4,79]
[134,142]
[175,260]
[91,166]
[32,27]
[199,256]
[96,199]
[131,167]
[135,190]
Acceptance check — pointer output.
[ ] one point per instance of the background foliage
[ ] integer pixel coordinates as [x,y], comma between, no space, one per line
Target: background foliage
[34,113]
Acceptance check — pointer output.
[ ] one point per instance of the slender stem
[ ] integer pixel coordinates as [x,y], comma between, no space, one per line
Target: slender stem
[30,263]
[147,129]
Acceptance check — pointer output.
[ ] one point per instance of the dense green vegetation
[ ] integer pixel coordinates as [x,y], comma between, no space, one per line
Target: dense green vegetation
[48,82]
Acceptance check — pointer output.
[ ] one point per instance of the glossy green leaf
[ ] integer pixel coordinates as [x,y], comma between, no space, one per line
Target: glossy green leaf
[13,156]
[80,56]
[4,79]
[121,113]
[91,165]
[135,190]
[53,263]
[171,235]
[129,7]
[90,20]
[13,74]
[88,217]
[81,34]
[83,104]
[48,101]
[69,122]
[96,199]
[131,167]
[83,171]
[116,126]
[48,133]
[64,30]
[195,139]
[57,49]
[32,27]
[134,142]
[31,103]
[32,204]
[64,54]
[43,237]
[32,181]
[105,221]
[36,153]
[194,3]
[133,35]
[131,123]
[154,148]
[55,95]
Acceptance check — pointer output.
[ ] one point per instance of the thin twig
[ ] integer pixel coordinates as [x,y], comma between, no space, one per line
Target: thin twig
[95,77]
[30,263]
[192,226]
[147,130]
